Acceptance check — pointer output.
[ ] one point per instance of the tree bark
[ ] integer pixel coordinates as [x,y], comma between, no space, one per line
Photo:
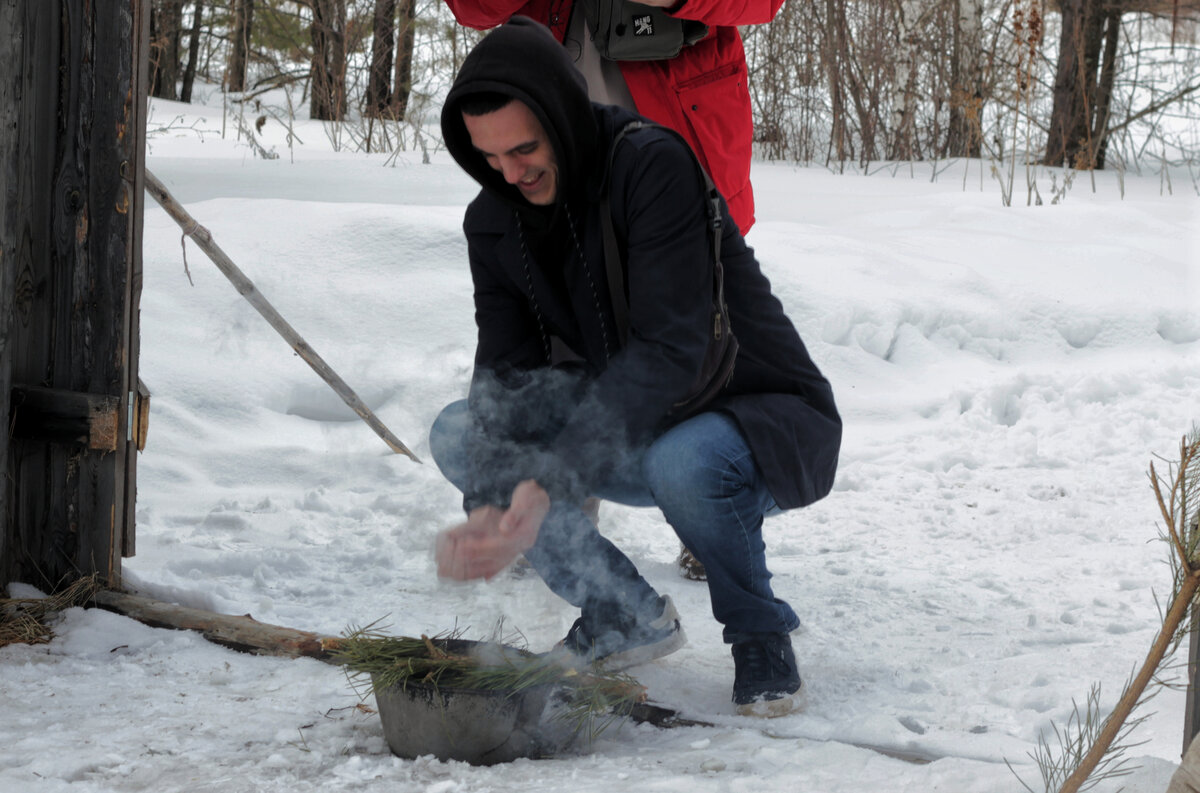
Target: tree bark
[383,48]
[328,32]
[1073,114]
[903,100]
[189,71]
[965,136]
[834,51]
[166,27]
[1108,72]
[243,26]
[404,58]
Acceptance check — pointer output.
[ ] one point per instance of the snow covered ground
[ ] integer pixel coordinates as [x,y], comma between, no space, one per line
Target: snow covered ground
[1006,375]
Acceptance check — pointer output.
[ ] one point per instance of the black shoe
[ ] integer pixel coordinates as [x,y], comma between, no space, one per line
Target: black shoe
[620,643]
[766,682]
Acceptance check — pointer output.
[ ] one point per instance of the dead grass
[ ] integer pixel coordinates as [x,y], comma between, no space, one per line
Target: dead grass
[26,620]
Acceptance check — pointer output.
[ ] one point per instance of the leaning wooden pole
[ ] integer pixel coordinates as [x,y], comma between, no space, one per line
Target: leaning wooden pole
[246,288]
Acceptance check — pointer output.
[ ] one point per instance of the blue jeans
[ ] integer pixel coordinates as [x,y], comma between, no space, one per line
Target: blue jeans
[702,476]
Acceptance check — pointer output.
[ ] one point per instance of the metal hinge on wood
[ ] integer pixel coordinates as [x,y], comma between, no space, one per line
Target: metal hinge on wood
[55,415]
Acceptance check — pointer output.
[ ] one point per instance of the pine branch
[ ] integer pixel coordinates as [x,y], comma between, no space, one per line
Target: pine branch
[1091,750]
[376,661]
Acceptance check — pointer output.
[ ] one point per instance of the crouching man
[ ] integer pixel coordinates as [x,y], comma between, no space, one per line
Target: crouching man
[576,394]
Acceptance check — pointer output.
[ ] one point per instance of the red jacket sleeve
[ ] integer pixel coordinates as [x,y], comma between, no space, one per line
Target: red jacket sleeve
[729,13]
[487,14]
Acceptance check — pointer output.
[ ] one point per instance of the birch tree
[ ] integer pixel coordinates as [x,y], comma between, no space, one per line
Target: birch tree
[966,77]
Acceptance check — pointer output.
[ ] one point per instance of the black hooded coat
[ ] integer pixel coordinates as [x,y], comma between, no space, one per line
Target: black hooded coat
[540,288]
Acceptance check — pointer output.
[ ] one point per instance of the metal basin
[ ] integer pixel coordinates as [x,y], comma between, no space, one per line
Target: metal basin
[482,727]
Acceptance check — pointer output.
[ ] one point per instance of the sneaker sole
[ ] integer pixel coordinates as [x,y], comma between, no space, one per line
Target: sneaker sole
[773,708]
[645,653]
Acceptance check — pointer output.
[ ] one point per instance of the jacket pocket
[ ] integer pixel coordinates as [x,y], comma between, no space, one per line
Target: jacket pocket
[716,105]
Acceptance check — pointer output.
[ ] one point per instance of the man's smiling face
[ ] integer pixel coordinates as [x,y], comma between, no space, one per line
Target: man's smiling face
[514,142]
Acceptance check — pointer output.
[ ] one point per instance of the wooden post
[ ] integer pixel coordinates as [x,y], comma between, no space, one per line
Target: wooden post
[72,95]
[11,55]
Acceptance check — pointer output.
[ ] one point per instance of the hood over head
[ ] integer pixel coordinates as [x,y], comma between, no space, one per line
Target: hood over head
[521,59]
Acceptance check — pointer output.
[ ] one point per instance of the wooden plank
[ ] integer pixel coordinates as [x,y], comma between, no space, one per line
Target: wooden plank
[11,50]
[133,174]
[28,181]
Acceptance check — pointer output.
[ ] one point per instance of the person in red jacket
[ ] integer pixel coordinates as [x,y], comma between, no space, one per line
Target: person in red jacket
[702,92]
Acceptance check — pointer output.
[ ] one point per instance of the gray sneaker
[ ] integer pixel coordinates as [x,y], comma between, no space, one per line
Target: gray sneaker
[621,643]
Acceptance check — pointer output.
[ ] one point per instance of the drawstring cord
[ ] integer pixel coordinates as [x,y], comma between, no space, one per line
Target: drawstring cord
[587,270]
[537,311]
[591,283]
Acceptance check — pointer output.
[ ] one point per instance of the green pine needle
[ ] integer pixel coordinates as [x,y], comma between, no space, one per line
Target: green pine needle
[376,661]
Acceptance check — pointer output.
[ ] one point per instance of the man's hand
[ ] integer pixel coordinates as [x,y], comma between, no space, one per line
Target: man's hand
[490,539]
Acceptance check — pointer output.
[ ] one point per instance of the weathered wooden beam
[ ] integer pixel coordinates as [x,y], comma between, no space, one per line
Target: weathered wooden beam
[12,48]
[55,415]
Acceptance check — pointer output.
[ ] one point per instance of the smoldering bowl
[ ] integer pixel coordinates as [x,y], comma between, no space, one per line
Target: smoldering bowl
[478,726]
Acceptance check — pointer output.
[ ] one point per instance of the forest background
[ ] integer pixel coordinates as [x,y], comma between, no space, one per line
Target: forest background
[861,84]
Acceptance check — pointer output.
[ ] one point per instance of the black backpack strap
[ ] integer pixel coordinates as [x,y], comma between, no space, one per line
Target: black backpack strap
[612,254]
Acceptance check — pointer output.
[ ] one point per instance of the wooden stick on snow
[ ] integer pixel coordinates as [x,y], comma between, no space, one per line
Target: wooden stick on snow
[248,635]
[244,634]
[203,238]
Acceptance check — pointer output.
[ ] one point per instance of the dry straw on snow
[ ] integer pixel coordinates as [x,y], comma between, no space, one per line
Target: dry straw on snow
[24,620]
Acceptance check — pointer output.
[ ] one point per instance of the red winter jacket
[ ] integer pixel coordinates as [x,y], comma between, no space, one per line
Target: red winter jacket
[702,92]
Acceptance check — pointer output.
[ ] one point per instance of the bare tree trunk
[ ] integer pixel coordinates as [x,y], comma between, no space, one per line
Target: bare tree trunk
[1112,34]
[383,47]
[903,99]
[966,81]
[835,24]
[189,72]
[328,33]
[406,40]
[1071,119]
[243,25]
[166,26]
